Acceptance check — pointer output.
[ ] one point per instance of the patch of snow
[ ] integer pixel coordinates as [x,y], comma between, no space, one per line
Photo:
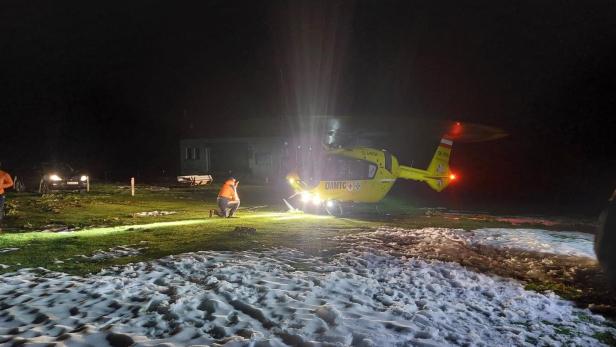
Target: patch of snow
[4,266]
[569,243]
[153,213]
[59,229]
[362,297]
[115,252]
[7,250]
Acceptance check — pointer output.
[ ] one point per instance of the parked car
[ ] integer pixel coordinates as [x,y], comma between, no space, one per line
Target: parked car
[51,177]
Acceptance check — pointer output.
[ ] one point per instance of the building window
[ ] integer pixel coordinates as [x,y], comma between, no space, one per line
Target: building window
[192,153]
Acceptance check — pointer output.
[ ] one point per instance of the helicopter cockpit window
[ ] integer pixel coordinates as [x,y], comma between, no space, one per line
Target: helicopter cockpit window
[339,168]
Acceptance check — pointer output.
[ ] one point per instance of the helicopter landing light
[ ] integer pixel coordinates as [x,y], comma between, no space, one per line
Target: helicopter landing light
[306,196]
[316,200]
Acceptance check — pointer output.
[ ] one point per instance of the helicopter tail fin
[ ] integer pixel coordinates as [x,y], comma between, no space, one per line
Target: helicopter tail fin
[440,161]
[438,175]
[439,170]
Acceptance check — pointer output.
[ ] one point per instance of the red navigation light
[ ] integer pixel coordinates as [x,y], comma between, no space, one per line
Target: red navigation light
[456,130]
[452,177]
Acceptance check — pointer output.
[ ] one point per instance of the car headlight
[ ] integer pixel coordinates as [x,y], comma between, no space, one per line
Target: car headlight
[83,178]
[55,178]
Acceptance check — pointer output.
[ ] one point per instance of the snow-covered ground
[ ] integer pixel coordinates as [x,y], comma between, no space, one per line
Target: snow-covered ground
[7,250]
[536,240]
[153,213]
[568,243]
[115,252]
[360,297]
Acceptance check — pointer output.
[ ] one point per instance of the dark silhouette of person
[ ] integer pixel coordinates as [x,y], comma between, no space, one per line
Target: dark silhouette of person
[605,240]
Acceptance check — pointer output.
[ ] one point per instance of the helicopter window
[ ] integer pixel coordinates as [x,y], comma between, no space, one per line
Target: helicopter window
[341,168]
[371,170]
[387,161]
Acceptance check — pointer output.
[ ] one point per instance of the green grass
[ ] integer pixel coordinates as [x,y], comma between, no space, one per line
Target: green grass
[104,218]
[109,205]
[274,229]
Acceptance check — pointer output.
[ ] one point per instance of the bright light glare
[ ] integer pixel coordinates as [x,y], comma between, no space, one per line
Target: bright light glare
[55,177]
[316,200]
[306,196]
[329,203]
[291,180]
[83,178]
[452,177]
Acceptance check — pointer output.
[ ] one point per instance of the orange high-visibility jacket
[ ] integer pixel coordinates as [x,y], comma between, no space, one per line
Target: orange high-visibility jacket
[5,181]
[229,190]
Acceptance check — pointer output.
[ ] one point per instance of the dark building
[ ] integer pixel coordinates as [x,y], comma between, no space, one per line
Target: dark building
[256,150]
[258,159]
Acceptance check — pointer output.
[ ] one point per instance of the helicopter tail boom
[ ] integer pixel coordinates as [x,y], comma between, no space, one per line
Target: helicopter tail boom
[438,175]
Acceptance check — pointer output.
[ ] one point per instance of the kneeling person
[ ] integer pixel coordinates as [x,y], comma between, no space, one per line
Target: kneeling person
[228,200]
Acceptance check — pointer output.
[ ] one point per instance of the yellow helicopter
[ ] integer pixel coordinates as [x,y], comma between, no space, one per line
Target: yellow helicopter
[366,175]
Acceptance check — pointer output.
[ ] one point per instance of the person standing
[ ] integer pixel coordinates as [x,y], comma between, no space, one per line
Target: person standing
[228,199]
[5,182]
[605,240]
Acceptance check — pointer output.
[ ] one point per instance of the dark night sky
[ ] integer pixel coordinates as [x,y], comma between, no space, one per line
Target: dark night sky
[108,84]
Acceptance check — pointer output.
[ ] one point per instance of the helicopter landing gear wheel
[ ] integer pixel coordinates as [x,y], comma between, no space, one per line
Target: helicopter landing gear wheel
[382,211]
[379,210]
[334,208]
